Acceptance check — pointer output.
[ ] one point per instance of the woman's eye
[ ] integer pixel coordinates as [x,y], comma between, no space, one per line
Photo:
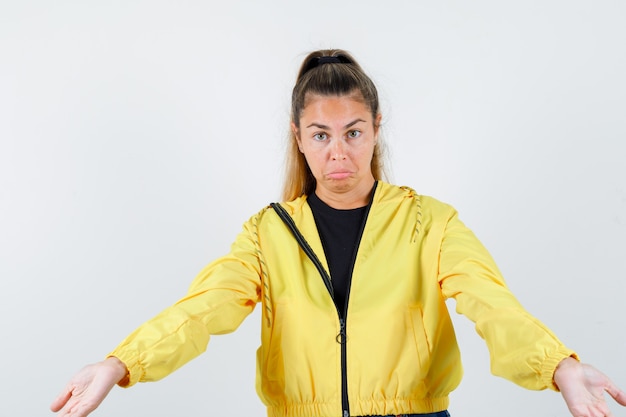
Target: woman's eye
[354,133]
[320,136]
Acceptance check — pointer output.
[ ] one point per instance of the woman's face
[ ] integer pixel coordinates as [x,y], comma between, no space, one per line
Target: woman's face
[337,136]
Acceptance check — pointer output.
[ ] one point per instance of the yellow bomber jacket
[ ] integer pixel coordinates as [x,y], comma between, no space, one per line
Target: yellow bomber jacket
[400,354]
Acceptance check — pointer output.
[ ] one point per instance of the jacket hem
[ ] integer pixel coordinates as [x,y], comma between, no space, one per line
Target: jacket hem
[362,407]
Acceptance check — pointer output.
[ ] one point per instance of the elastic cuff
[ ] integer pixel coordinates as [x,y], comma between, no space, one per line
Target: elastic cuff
[550,364]
[134,369]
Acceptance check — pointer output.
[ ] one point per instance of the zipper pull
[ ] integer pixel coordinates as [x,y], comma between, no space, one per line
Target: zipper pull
[341,337]
[345,413]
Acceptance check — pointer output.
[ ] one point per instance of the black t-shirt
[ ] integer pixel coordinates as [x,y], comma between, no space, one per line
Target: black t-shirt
[340,232]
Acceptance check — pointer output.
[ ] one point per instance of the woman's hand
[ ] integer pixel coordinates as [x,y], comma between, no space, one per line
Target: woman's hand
[88,388]
[583,388]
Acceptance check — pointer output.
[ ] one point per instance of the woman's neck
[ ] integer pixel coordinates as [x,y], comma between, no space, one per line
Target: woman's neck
[350,199]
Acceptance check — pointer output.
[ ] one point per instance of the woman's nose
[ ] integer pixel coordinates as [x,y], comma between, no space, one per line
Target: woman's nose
[338,151]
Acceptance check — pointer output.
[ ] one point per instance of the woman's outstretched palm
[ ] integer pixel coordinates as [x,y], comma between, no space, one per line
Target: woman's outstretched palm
[583,387]
[88,388]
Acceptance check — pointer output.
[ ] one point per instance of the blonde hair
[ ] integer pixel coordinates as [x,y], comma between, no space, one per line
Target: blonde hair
[327,72]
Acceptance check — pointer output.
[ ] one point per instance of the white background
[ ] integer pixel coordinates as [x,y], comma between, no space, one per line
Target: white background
[137,136]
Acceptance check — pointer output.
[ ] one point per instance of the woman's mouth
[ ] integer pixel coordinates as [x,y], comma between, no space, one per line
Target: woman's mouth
[339,175]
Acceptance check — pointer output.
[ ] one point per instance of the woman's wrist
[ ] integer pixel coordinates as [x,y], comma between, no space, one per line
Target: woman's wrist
[120,370]
[562,369]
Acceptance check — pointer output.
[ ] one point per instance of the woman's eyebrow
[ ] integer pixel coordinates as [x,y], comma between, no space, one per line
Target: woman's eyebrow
[353,123]
[320,126]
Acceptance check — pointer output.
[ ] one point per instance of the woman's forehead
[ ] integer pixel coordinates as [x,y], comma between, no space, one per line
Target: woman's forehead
[353,96]
[335,108]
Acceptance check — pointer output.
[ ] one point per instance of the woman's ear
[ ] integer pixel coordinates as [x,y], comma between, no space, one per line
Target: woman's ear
[296,134]
[379,117]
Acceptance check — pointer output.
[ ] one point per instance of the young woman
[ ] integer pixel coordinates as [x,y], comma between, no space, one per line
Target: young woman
[352,274]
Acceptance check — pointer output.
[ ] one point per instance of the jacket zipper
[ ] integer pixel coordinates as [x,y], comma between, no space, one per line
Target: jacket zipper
[343,321]
[341,338]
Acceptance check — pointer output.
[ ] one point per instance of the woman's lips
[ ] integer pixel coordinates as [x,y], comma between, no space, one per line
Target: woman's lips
[339,175]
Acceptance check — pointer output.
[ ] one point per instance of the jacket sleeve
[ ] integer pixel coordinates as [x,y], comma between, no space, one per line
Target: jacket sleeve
[522,349]
[219,298]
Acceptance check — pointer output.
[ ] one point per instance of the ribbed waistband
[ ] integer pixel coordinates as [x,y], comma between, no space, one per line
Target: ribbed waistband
[443,413]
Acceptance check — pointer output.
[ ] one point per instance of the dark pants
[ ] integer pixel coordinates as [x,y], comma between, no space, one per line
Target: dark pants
[437,414]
